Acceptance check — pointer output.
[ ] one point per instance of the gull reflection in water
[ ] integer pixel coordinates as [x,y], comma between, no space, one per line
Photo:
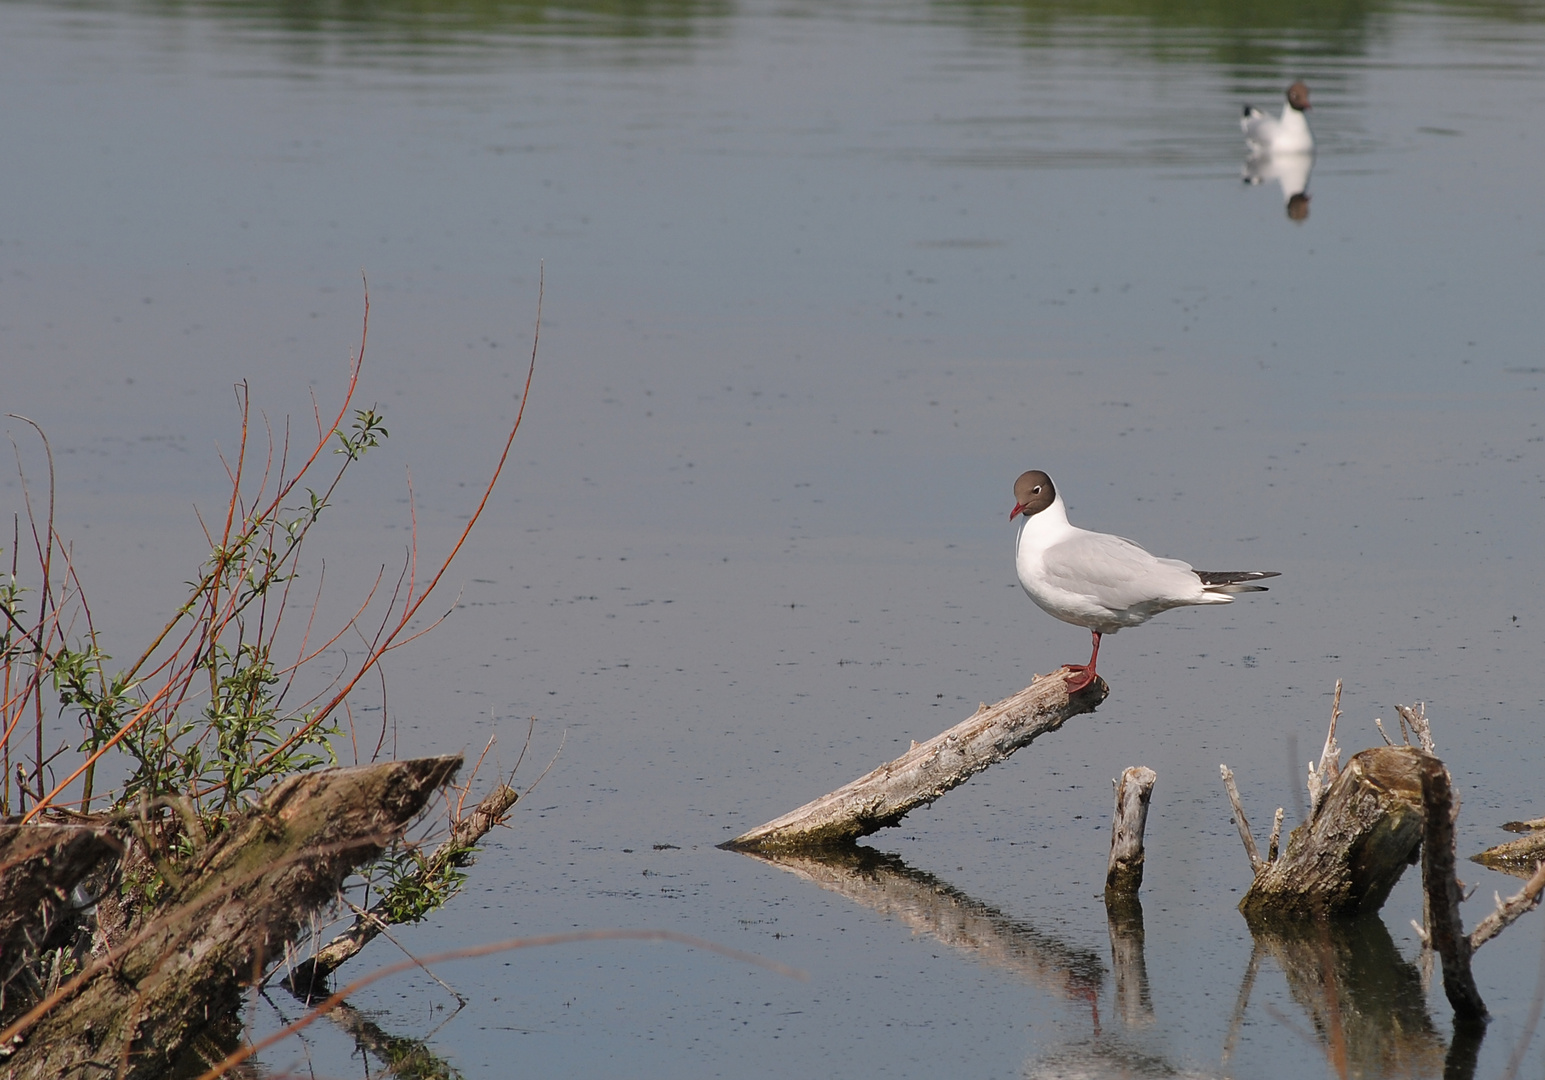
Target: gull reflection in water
[1290,170]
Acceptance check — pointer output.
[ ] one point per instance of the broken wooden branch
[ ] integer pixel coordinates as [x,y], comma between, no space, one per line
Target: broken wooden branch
[1124,869]
[926,771]
[220,923]
[1509,910]
[1445,927]
[1322,777]
[1246,837]
[1413,721]
[455,851]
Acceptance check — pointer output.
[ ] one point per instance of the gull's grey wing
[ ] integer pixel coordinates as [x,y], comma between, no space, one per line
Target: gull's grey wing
[1116,573]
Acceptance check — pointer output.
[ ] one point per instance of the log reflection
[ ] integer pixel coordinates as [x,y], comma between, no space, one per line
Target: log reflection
[1364,999]
[1106,1059]
[883,883]
[1365,1003]
[403,1057]
[1134,1000]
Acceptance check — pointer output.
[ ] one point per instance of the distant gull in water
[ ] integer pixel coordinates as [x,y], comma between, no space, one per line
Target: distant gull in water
[1287,134]
[1099,580]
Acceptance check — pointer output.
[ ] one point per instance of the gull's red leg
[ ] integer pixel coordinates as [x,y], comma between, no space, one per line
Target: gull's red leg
[1084,673]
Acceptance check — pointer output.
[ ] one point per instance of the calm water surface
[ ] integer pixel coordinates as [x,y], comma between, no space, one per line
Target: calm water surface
[821,280]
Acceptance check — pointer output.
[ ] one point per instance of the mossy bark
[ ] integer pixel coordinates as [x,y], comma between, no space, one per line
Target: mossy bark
[220,924]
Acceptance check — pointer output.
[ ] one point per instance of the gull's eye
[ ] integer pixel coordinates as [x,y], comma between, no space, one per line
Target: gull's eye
[1036,490]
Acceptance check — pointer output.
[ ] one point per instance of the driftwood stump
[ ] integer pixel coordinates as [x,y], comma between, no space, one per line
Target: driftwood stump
[1388,807]
[130,1012]
[926,771]
[1124,871]
[1347,857]
[1123,909]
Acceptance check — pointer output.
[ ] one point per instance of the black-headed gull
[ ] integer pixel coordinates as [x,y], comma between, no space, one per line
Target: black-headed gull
[1099,580]
[1287,134]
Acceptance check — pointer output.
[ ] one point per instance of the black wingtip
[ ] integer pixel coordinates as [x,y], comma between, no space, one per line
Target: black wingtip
[1233,577]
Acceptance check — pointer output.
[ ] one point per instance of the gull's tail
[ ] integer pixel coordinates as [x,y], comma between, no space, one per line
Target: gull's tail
[1233,581]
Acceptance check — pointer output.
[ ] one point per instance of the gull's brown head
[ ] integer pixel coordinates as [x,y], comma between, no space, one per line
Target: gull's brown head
[1033,492]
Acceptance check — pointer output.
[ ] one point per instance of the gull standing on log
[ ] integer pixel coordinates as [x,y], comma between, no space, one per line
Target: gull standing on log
[1099,580]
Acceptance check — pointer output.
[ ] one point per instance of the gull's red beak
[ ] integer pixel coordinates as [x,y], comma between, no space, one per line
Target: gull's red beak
[1015,512]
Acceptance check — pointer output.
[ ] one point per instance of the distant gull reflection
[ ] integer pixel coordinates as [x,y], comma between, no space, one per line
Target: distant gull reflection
[1291,170]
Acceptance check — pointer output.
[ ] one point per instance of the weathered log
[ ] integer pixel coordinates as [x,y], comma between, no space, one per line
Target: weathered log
[456,851]
[250,891]
[1516,856]
[39,865]
[1532,825]
[1123,909]
[1445,928]
[1345,859]
[1124,870]
[926,905]
[926,771]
